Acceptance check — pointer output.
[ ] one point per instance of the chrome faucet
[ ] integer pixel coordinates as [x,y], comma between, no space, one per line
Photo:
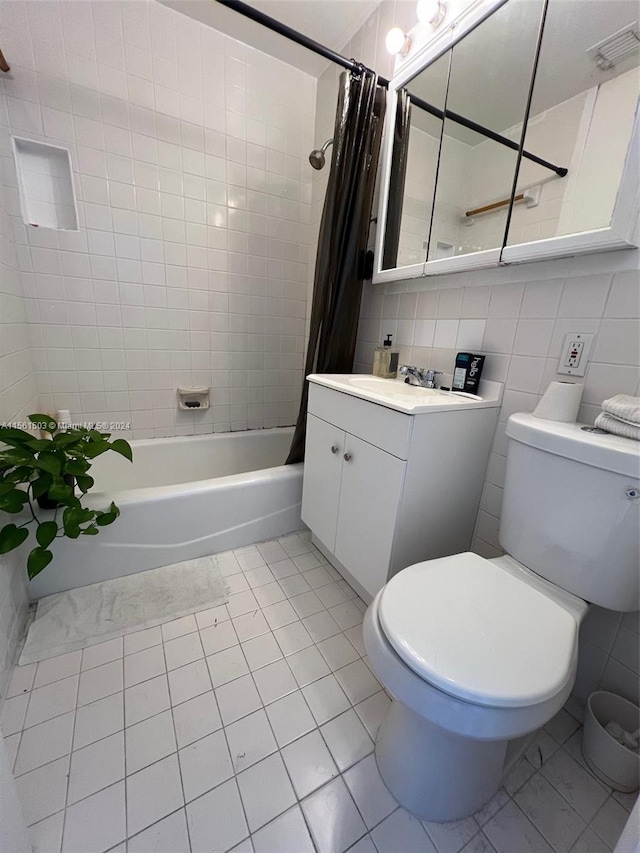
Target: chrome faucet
[423,378]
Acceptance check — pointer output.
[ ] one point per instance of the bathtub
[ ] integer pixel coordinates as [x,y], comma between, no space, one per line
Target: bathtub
[181,498]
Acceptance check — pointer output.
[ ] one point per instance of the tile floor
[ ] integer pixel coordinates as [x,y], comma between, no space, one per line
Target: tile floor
[249,728]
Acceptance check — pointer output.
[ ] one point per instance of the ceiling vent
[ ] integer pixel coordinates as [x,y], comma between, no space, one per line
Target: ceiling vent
[616,47]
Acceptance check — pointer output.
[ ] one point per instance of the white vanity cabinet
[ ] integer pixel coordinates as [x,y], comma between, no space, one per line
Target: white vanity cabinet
[384,488]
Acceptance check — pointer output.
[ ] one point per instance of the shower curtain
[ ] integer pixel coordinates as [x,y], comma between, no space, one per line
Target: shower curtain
[399,159]
[343,235]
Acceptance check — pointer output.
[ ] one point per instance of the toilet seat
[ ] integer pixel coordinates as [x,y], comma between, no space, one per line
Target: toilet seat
[476,632]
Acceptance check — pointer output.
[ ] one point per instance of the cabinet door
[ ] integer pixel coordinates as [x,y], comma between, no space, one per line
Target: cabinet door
[321,483]
[372,483]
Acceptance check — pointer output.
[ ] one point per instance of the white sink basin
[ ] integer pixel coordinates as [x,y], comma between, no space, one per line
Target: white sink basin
[399,395]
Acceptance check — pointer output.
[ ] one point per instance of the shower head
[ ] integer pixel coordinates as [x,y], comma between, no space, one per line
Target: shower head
[317,158]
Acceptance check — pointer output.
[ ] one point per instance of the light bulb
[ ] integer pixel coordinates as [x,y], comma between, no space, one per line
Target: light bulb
[431,12]
[397,41]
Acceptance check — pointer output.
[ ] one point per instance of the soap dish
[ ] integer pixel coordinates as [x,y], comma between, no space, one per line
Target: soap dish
[194,399]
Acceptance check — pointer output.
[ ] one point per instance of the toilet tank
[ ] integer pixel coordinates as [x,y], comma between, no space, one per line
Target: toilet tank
[571,509]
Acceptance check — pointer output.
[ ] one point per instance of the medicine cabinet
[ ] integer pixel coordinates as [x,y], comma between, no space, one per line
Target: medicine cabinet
[513,136]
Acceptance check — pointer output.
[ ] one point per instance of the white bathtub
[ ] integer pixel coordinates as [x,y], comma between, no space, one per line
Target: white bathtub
[181,498]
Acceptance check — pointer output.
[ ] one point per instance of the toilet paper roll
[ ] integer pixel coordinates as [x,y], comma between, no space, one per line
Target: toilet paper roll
[560,402]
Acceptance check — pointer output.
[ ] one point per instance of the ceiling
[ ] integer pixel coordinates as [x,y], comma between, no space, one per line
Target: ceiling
[330,22]
[491,67]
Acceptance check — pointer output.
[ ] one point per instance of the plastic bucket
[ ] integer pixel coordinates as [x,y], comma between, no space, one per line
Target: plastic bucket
[612,762]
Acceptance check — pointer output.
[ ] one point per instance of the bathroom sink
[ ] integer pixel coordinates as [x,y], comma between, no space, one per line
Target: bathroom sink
[412,399]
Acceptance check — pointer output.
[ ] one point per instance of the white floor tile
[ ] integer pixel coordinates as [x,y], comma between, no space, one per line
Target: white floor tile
[492,807]
[216,820]
[402,831]
[307,561]
[286,834]
[325,698]
[294,585]
[13,713]
[609,821]
[261,651]
[332,594]
[357,681]
[259,576]
[189,681]
[141,666]
[541,749]
[42,792]
[365,845]
[551,814]
[226,665]
[95,767]
[479,844]
[274,681]
[290,718]
[451,837]
[370,793]
[354,635]
[511,830]
[307,604]
[146,699]
[318,577]
[55,669]
[347,615]
[51,701]
[99,682]
[321,625]
[373,711]
[576,784]
[153,793]
[272,552]
[179,627]
[284,568]
[242,602]
[250,625]
[250,740]
[347,739]
[249,558]
[280,614]
[337,651]
[183,650]
[590,842]
[204,765]
[309,763]
[44,743]
[149,741]
[142,640]
[334,819]
[98,720]
[270,593]
[236,583]
[228,564]
[196,718]
[46,836]
[167,836]
[517,776]
[562,726]
[292,638]
[212,616]
[237,699]
[293,545]
[218,637]
[307,666]
[22,679]
[266,791]
[102,653]
[97,823]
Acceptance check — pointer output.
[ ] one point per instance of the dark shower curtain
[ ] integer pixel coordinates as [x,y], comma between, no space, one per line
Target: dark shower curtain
[343,235]
[399,158]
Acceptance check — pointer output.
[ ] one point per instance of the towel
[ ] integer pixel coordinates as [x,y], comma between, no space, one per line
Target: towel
[616,426]
[623,406]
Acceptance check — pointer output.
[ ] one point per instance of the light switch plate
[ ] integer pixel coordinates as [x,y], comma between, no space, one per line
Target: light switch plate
[575,354]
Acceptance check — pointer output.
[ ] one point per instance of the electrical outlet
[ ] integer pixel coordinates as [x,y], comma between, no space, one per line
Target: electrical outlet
[575,354]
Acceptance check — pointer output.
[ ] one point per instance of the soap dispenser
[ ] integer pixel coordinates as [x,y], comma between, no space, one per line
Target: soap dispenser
[385,360]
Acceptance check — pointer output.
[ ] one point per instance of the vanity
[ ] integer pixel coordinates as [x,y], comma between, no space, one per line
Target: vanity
[393,473]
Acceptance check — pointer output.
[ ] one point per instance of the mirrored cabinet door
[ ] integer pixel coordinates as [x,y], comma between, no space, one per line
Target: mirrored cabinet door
[417,137]
[489,84]
[582,114]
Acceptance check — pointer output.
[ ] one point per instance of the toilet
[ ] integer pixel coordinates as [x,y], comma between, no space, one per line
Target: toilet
[479,653]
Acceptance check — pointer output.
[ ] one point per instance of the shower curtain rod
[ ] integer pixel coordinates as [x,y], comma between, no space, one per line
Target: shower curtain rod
[351,65]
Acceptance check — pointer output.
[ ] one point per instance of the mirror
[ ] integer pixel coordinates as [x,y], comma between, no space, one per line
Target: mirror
[412,184]
[489,84]
[582,114]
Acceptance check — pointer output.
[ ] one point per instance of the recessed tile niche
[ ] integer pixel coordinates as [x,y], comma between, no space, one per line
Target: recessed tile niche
[45,180]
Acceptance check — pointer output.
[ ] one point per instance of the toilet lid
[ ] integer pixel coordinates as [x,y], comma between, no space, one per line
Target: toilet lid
[477,632]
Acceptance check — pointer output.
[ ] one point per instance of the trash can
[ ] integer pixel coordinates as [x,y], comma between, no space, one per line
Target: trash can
[612,762]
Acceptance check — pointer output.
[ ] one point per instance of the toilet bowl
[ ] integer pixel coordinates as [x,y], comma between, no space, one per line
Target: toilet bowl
[475,654]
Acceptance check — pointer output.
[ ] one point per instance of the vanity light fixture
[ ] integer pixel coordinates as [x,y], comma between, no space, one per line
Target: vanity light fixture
[397,42]
[431,12]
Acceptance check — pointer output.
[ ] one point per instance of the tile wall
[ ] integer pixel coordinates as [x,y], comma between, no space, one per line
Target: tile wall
[191,263]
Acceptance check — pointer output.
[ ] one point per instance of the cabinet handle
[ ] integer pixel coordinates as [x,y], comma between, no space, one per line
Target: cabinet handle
[334,448]
[347,457]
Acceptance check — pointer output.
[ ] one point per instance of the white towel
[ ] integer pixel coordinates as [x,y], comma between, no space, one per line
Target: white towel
[614,425]
[623,406]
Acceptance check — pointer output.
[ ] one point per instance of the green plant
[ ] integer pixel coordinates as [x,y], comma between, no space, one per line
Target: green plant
[34,468]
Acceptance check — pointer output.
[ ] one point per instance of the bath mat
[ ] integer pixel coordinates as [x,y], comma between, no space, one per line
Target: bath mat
[89,615]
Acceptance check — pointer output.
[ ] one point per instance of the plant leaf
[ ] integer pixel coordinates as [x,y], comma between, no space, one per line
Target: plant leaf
[84,483]
[38,559]
[49,462]
[59,490]
[123,448]
[46,533]
[11,537]
[41,485]
[14,501]
[77,466]
[45,422]
[91,530]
